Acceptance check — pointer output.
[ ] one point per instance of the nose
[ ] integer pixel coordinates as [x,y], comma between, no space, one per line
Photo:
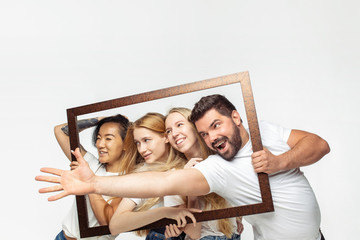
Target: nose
[174,133]
[212,137]
[100,143]
[142,148]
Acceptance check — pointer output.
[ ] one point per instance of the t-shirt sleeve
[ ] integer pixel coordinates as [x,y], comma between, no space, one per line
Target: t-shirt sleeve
[274,137]
[214,172]
[284,133]
[92,161]
[276,132]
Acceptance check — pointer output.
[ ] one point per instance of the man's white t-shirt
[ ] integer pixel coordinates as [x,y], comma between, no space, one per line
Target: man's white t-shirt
[70,224]
[296,215]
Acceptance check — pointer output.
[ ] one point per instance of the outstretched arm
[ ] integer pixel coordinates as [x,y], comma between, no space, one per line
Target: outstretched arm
[125,219]
[81,181]
[306,149]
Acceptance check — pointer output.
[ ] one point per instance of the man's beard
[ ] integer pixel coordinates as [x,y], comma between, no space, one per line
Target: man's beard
[234,143]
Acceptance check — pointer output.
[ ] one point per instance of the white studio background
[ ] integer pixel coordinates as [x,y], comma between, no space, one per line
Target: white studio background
[303,58]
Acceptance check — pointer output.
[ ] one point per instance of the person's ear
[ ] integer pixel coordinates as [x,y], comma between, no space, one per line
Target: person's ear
[166,139]
[236,117]
[123,147]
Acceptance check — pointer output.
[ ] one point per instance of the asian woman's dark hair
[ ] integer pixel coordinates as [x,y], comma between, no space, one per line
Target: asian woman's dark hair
[119,119]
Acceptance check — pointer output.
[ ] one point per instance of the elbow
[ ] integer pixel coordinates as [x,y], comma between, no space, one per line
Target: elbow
[320,146]
[112,226]
[56,130]
[113,229]
[102,223]
[325,148]
[118,225]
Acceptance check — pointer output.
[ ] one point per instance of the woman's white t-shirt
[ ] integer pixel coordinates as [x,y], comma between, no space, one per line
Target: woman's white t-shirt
[70,224]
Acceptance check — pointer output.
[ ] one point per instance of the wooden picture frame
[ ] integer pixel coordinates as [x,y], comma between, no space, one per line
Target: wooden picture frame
[243,78]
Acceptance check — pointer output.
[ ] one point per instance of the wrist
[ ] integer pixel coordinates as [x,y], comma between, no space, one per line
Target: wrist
[94,185]
[283,162]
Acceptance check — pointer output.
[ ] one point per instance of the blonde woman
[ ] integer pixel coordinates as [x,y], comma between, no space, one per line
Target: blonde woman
[147,148]
[183,137]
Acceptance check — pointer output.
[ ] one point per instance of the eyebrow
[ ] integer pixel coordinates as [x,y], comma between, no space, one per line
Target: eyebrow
[212,124]
[141,139]
[106,135]
[175,124]
[179,121]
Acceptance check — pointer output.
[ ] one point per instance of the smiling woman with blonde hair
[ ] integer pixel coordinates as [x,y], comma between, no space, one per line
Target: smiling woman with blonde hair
[147,148]
[183,137]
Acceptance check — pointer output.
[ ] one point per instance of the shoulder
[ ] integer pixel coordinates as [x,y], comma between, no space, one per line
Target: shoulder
[269,130]
[92,161]
[274,137]
[213,167]
[89,157]
[211,161]
[267,126]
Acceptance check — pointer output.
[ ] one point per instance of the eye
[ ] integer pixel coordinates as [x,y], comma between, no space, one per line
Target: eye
[216,125]
[147,140]
[203,135]
[168,131]
[179,124]
[137,143]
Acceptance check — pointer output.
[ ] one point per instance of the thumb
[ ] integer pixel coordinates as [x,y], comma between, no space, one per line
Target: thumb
[195,210]
[78,155]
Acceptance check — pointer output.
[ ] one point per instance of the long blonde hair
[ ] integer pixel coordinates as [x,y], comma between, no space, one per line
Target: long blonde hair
[133,162]
[212,200]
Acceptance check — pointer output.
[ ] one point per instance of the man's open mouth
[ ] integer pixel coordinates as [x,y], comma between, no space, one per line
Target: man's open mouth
[220,144]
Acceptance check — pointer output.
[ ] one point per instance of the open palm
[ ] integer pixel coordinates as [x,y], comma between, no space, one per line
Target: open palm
[76,182]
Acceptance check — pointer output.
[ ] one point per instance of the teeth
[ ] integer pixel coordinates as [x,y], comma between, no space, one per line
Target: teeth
[179,141]
[218,145]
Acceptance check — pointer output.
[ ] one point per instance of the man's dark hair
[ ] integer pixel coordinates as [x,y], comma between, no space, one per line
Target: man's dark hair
[120,119]
[216,101]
